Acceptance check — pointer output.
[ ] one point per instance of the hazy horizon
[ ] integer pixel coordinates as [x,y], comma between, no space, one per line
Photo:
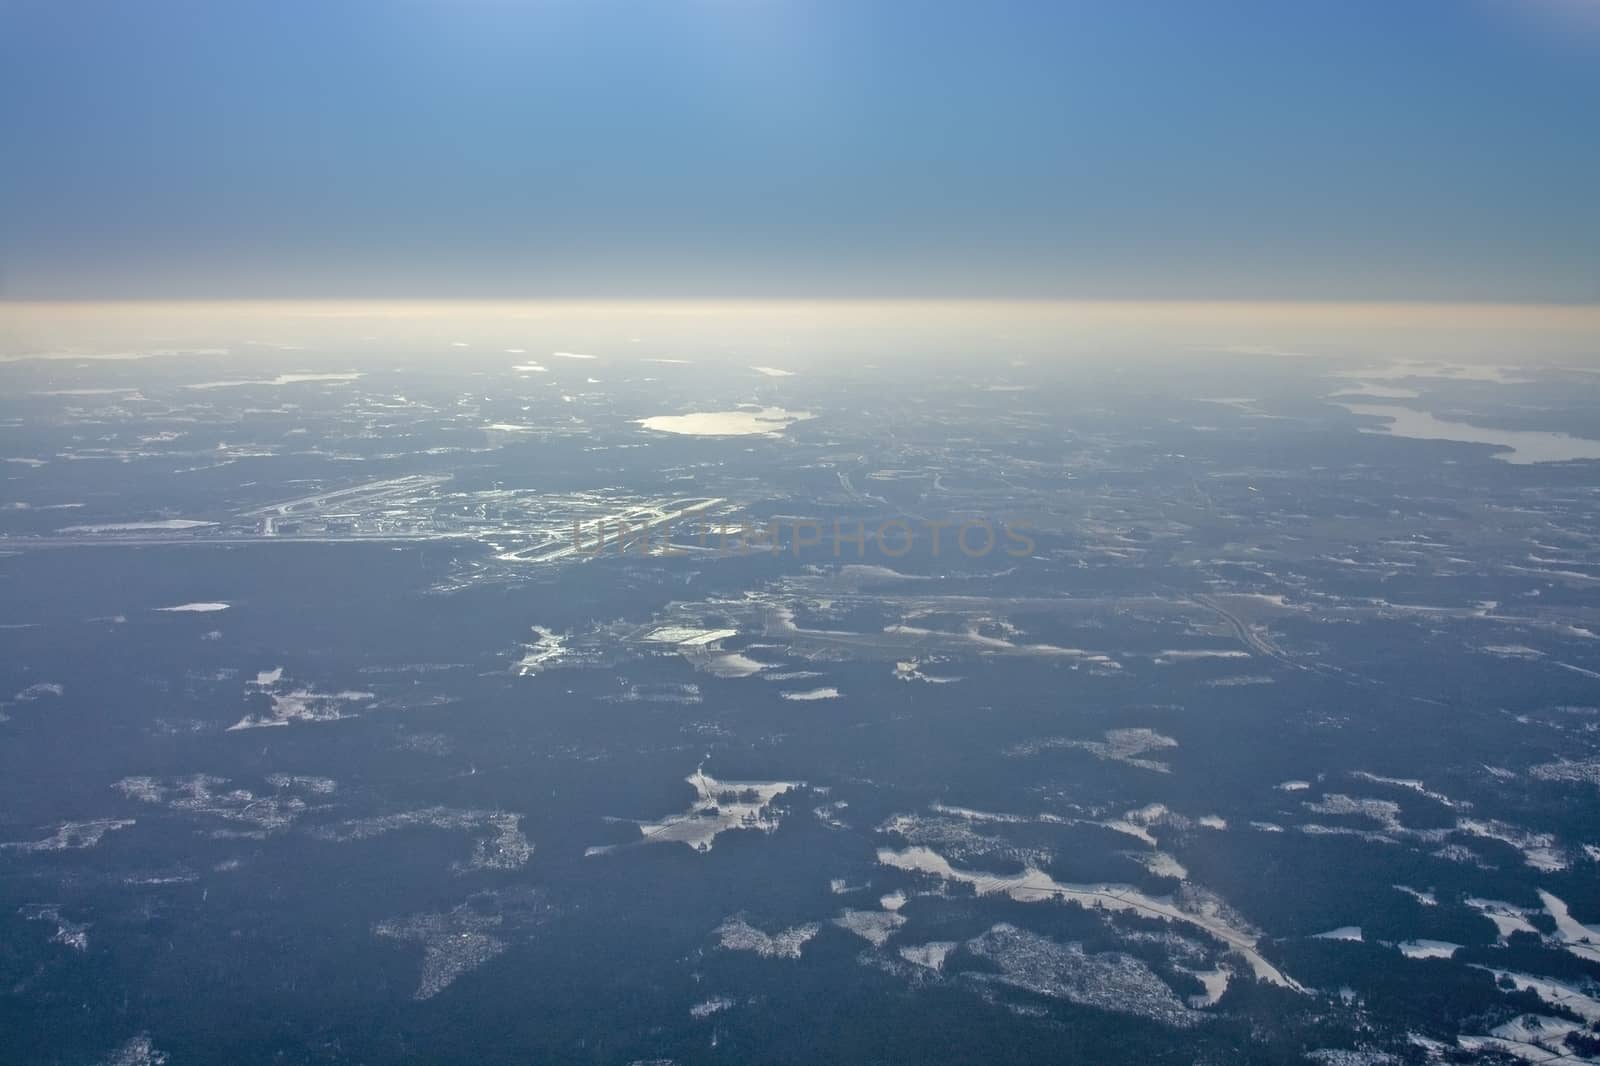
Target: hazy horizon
[808,330]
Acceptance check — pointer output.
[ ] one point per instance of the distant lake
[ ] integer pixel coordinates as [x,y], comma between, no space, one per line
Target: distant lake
[1525,445]
[763,421]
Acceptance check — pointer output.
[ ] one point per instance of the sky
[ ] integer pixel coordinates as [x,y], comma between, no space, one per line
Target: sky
[1411,150]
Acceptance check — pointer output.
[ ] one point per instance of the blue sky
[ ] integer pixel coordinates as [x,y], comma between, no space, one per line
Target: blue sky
[1193,149]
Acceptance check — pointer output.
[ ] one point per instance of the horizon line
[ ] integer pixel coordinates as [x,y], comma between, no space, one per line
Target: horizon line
[734,301]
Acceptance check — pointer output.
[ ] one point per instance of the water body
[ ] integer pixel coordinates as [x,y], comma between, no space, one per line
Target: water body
[1033,885]
[1522,446]
[763,421]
